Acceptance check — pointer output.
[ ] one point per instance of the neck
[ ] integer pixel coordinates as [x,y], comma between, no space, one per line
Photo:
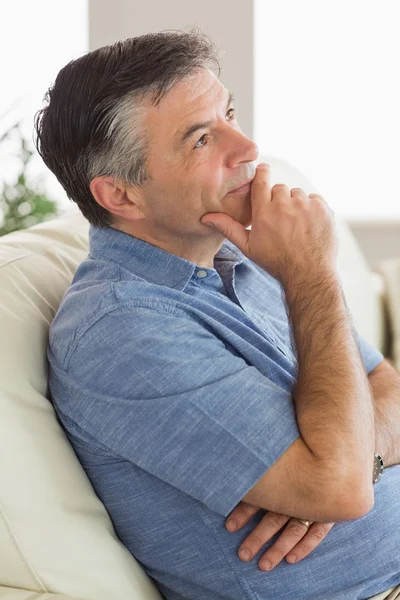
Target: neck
[200,250]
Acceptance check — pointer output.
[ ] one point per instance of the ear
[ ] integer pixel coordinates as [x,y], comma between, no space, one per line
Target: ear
[116,198]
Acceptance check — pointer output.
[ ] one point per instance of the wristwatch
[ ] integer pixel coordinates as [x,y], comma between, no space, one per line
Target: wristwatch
[378,468]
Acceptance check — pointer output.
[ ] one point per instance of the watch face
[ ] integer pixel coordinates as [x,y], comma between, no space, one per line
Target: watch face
[378,468]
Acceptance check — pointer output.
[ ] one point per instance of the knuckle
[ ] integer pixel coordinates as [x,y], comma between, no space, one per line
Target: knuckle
[254,539]
[319,533]
[280,187]
[296,530]
[277,550]
[276,520]
[316,197]
[258,183]
[302,550]
[227,232]
[299,201]
[261,179]
[248,511]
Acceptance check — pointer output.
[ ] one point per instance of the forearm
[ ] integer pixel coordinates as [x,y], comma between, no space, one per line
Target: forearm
[334,406]
[386,392]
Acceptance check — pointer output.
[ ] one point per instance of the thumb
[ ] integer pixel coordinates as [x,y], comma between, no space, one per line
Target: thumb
[231,229]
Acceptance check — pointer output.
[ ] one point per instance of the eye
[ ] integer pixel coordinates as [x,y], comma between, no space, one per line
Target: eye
[205,135]
[230,111]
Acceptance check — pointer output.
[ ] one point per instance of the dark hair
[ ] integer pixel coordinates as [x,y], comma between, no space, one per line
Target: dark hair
[92,125]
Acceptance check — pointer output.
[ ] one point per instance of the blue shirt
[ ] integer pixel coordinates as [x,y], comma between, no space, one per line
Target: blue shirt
[173,383]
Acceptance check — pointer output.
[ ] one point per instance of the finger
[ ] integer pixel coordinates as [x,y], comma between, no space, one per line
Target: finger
[280,192]
[260,188]
[241,514]
[293,536]
[315,535]
[298,192]
[261,534]
[229,228]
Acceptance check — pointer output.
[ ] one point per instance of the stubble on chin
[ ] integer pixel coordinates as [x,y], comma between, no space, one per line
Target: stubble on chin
[247,217]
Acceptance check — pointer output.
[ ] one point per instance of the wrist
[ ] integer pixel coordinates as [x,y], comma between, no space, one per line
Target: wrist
[300,282]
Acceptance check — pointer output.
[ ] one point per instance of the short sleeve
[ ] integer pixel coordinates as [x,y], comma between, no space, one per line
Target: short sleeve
[162,391]
[371,356]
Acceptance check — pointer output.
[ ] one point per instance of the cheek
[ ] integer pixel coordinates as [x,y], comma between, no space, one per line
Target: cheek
[213,188]
[203,165]
[191,190]
[197,186]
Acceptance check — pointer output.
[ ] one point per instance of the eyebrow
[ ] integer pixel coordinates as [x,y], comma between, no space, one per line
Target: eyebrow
[196,126]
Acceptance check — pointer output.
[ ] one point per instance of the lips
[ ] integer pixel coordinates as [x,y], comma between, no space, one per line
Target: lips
[242,187]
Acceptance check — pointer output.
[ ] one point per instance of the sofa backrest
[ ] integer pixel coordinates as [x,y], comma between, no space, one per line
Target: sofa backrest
[55,534]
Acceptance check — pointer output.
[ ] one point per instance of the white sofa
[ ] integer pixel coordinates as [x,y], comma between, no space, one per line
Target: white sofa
[56,538]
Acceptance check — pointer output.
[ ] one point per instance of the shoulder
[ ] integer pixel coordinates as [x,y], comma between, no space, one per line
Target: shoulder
[105,316]
[157,299]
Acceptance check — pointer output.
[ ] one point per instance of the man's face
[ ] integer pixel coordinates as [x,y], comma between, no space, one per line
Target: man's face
[193,177]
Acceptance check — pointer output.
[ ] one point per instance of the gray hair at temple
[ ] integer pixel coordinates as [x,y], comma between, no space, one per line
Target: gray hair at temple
[92,125]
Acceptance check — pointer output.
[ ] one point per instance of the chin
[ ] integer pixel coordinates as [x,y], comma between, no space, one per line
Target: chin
[245,218]
[242,213]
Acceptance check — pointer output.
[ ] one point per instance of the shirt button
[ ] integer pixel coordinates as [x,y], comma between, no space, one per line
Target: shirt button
[201,273]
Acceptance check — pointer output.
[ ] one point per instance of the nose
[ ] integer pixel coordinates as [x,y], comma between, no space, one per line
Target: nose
[240,148]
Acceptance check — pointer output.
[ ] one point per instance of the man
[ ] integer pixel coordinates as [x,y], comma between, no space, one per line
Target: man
[194,373]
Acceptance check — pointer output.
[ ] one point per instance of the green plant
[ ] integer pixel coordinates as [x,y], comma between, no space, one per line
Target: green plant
[22,204]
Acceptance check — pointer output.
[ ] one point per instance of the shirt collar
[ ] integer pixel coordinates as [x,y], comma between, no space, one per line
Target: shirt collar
[151,262]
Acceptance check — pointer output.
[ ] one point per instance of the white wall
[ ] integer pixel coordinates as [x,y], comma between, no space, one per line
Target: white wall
[37,39]
[327,98]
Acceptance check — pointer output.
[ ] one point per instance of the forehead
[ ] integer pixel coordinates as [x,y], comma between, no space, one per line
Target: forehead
[189,101]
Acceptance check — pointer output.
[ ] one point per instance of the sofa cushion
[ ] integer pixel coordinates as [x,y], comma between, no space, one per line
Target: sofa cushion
[55,534]
[7,593]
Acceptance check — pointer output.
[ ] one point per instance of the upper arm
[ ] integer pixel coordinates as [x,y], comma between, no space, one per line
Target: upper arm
[163,391]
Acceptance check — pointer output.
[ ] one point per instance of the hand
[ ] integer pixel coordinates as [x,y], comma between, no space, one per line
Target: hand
[296,540]
[291,234]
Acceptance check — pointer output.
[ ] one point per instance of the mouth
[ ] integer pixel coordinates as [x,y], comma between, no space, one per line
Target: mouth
[243,188]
